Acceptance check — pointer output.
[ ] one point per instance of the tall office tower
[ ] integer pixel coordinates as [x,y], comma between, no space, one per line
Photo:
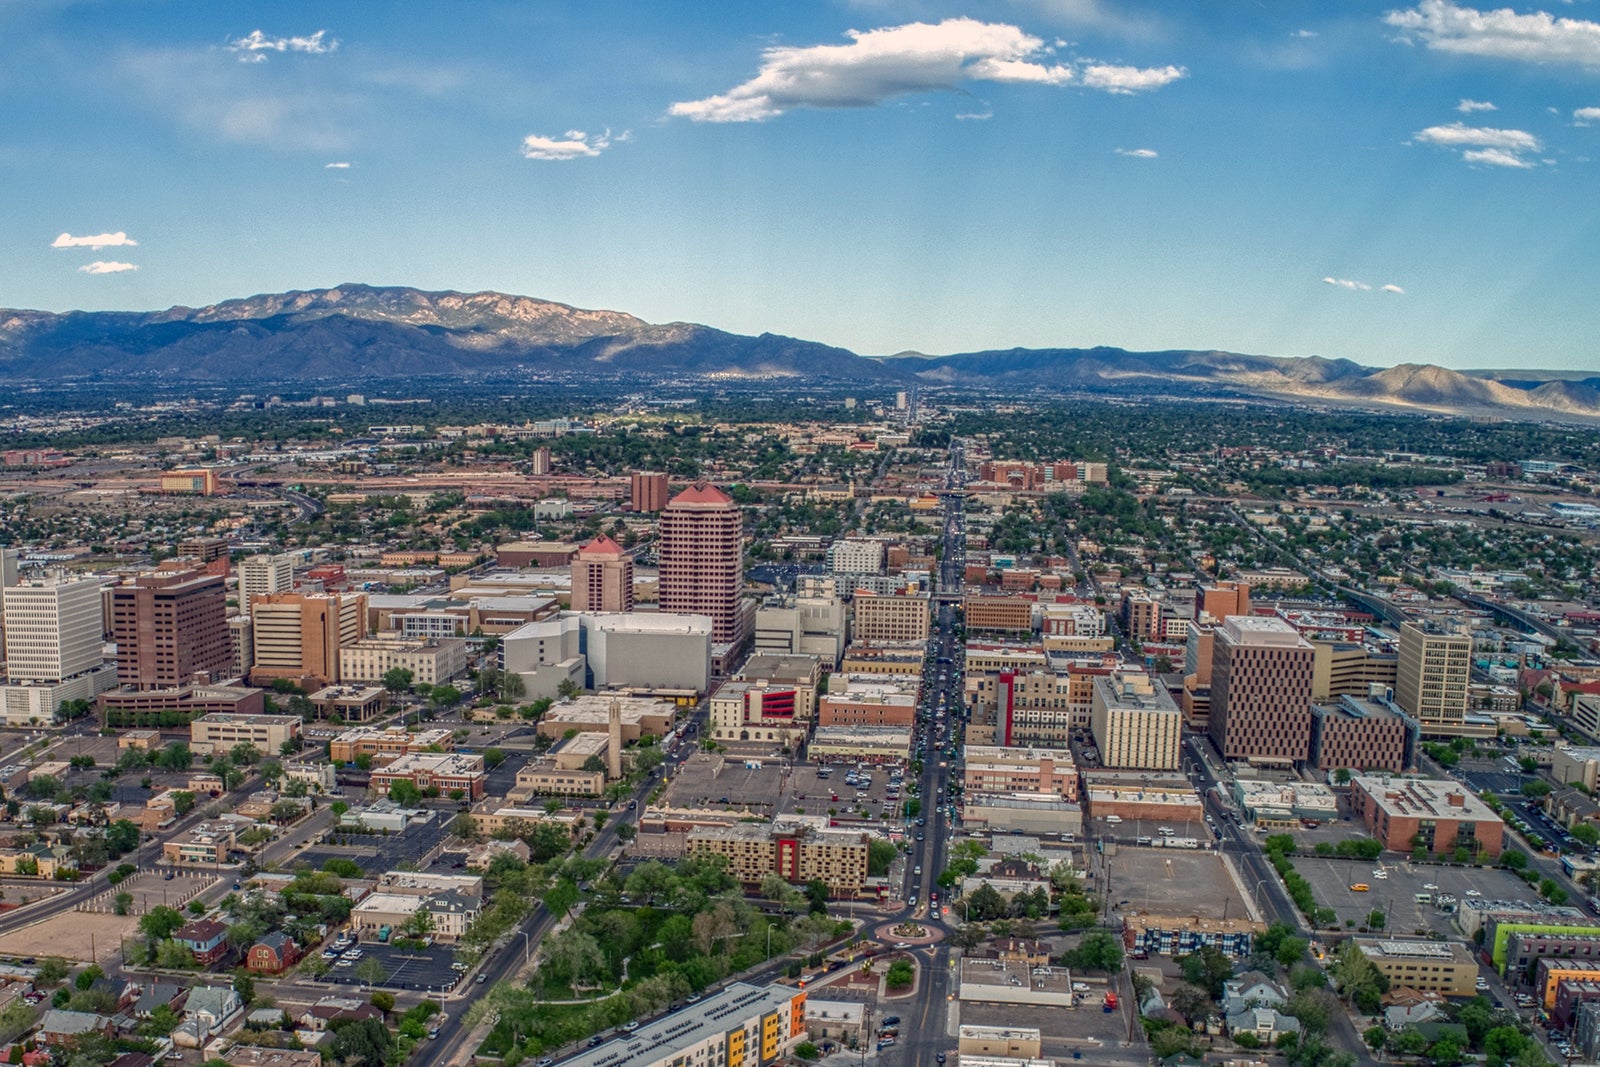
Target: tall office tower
[169,626]
[541,461]
[1431,680]
[1261,690]
[263,576]
[9,571]
[648,491]
[701,559]
[1223,599]
[299,635]
[53,628]
[602,577]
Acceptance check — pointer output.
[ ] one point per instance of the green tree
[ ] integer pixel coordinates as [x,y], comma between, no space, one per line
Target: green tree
[160,922]
[182,802]
[361,1042]
[901,974]
[383,1000]
[122,902]
[397,679]
[1098,951]
[405,793]
[1207,968]
[175,954]
[371,971]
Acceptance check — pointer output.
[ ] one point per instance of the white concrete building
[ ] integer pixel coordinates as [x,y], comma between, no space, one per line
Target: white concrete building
[54,628]
[1135,723]
[262,575]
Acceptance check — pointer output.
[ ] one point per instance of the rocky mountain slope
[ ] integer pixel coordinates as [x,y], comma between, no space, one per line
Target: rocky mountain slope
[359,332]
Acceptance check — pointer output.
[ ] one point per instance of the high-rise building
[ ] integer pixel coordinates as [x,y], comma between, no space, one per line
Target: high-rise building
[1431,679]
[602,577]
[299,635]
[701,559]
[170,626]
[1135,723]
[54,628]
[648,491]
[263,576]
[1141,616]
[856,557]
[1261,690]
[541,461]
[1222,599]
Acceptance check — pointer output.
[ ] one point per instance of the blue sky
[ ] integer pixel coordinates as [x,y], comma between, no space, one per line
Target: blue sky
[1383,182]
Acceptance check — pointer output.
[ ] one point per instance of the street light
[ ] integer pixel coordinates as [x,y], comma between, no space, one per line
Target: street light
[526,947]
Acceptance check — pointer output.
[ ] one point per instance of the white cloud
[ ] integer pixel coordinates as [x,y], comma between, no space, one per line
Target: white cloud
[1467,107]
[878,65]
[1130,79]
[102,266]
[1495,157]
[1137,153]
[1538,37]
[1391,288]
[1346,283]
[95,242]
[1483,144]
[1304,33]
[1586,115]
[574,144]
[975,116]
[254,46]
[336,166]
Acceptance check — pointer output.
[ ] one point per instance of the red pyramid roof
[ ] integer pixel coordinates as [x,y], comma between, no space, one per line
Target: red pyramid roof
[601,546]
[701,493]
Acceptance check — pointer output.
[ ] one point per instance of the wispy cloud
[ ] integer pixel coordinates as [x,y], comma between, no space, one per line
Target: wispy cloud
[1130,79]
[103,266]
[1483,144]
[1467,107]
[336,166]
[95,242]
[1347,283]
[255,46]
[1137,153]
[1304,33]
[574,144]
[1537,37]
[918,57]
[1495,157]
[1392,288]
[1585,115]
[975,116]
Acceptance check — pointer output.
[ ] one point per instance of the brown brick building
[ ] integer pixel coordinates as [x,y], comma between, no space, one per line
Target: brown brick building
[602,577]
[701,560]
[1010,614]
[170,626]
[648,491]
[1439,816]
[1261,691]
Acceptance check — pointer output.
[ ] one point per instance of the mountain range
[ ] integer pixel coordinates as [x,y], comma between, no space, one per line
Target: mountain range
[356,333]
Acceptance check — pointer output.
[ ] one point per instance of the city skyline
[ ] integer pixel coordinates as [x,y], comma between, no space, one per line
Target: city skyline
[1383,182]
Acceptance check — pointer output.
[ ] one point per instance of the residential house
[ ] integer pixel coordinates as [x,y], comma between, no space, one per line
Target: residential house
[273,954]
[320,1016]
[67,1027]
[1252,989]
[118,991]
[159,994]
[1412,1007]
[206,938]
[1266,1023]
[208,1013]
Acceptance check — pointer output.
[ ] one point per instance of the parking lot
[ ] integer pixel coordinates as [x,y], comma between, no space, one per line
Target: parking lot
[1396,892]
[427,971]
[816,794]
[376,853]
[1168,881]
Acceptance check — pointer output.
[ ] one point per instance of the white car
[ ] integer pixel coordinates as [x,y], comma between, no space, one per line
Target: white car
[1429,886]
[1473,893]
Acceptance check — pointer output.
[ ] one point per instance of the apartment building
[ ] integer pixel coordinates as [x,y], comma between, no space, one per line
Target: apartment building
[856,557]
[740,1026]
[798,852]
[1041,707]
[171,626]
[1446,967]
[431,661]
[998,769]
[1432,676]
[219,732]
[891,618]
[1141,615]
[1261,691]
[759,711]
[1135,723]
[1432,814]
